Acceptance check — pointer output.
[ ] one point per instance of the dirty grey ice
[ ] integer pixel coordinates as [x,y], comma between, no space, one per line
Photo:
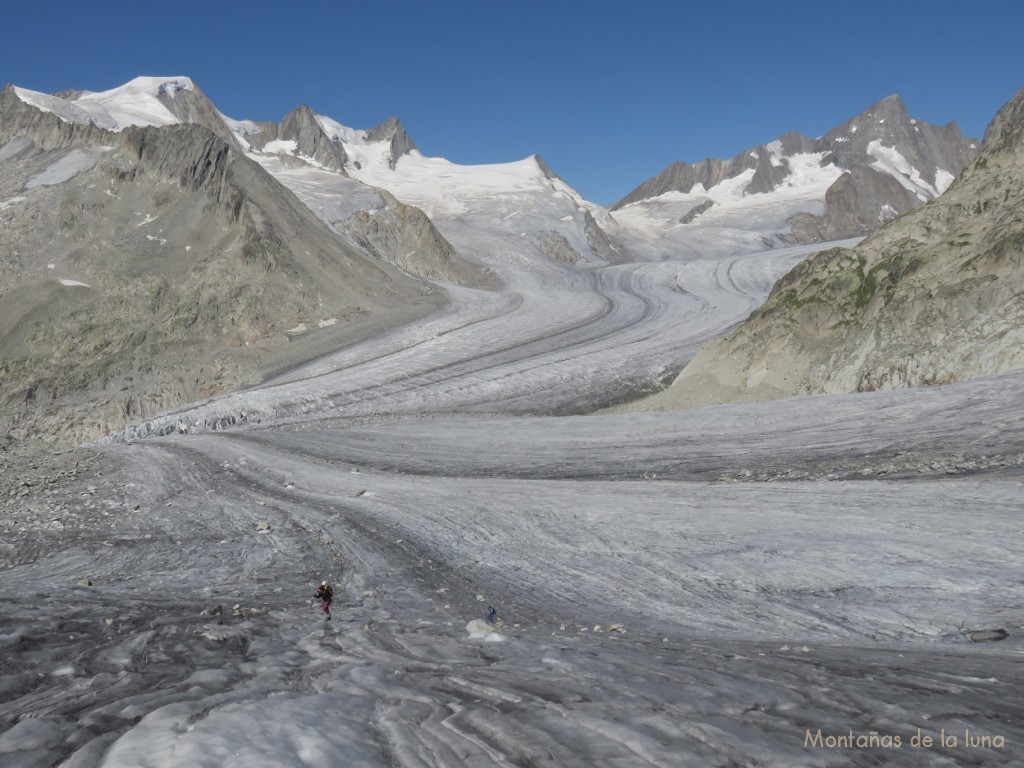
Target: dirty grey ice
[731,585]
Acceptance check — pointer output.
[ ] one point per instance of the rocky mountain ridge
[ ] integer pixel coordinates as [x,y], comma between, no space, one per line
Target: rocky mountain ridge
[933,297]
[872,168]
[302,139]
[159,265]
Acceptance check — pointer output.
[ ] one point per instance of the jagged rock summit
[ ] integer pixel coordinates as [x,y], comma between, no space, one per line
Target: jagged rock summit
[933,297]
[322,142]
[845,183]
[159,101]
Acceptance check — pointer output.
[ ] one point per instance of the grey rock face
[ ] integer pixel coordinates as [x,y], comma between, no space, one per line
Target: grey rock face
[545,168]
[312,141]
[392,130]
[404,236]
[926,147]
[262,133]
[767,175]
[852,207]
[301,126]
[696,211]
[44,129]
[189,155]
[555,245]
[191,105]
[681,177]
[600,244]
[794,143]
[932,297]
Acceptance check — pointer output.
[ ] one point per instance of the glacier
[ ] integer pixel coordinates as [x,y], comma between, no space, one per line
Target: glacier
[793,583]
[705,587]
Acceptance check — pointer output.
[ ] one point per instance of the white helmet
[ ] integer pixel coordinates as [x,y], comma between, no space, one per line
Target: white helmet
[323,583]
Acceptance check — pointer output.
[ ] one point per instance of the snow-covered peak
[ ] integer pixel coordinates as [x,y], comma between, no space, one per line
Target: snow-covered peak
[154,86]
[789,194]
[137,102]
[436,184]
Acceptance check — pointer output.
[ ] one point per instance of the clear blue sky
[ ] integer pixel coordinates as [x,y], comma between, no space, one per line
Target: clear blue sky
[608,92]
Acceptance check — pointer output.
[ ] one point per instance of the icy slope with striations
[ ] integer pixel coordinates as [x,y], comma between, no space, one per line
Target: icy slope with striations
[654,614]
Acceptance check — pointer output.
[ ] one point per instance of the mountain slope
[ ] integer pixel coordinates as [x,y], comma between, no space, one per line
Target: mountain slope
[846,183]
[301,139]
[154,266]
[557,221]
[933,297]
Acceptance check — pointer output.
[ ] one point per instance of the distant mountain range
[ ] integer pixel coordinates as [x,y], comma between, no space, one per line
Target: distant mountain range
[154,251]
[933,297]
[796,189]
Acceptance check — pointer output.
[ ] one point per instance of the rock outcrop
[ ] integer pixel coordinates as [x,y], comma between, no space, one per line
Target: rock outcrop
[393,132]
[309,139]
[404,236]
[191,106]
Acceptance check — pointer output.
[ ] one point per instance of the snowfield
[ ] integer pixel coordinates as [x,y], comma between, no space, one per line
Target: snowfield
[734,221]
[134,103]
